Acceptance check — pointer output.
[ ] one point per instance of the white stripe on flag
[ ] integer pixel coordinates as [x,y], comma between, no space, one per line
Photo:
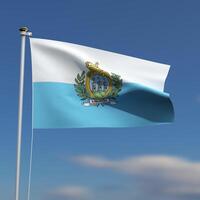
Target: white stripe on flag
[55,61]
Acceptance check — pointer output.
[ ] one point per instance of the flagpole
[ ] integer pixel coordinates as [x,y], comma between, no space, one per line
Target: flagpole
[23,32]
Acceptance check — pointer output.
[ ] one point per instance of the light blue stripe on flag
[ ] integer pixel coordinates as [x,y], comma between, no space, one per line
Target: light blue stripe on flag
[56,105]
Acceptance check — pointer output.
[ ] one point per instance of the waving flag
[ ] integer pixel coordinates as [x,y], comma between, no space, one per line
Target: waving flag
[76,86]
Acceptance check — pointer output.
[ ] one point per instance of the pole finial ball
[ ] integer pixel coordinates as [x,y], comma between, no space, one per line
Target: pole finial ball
[23,29]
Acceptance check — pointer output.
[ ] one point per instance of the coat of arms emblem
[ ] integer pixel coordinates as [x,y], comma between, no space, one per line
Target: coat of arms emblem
[96,86]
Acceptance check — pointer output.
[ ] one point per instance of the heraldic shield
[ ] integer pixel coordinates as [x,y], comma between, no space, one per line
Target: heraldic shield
[97,87]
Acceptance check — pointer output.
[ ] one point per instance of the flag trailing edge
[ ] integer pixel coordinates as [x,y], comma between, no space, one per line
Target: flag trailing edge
[77,86]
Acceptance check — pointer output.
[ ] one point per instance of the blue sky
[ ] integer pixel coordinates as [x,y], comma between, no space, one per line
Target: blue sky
[142,163]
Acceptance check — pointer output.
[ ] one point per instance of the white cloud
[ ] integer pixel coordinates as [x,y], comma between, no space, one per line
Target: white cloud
[163,175]
[71,192]
[93,161]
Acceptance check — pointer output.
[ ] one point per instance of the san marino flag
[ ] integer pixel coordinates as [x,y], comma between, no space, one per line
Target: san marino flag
[76,86]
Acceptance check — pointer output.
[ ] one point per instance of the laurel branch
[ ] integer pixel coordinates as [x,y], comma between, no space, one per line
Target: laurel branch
[80,86]
[116,85]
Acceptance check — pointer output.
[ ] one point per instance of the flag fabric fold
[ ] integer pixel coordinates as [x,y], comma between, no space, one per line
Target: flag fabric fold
[76,86]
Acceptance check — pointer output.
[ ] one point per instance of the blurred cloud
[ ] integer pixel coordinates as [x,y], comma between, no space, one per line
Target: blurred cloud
[70,192]
[158,177]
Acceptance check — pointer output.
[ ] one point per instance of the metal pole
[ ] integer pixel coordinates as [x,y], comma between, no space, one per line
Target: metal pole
[23,32]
